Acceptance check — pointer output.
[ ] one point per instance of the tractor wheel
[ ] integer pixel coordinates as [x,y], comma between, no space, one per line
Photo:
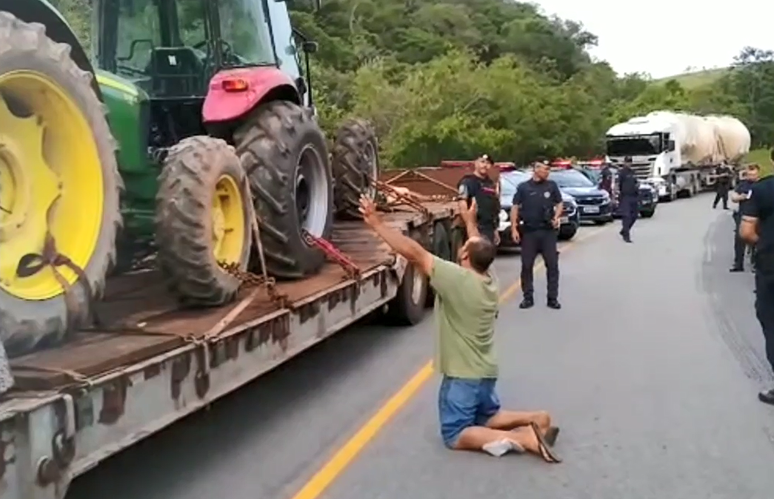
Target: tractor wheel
[58,176]
[284,154]
[202,219]
[355,164]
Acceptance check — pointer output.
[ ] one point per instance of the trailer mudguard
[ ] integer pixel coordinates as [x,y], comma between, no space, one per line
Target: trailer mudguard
[57,28]
[236,92]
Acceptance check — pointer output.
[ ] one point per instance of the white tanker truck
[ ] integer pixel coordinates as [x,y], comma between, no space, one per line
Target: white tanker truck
[677,152]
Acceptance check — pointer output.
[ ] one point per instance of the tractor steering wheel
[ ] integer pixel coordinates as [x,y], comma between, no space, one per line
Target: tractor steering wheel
[227,50]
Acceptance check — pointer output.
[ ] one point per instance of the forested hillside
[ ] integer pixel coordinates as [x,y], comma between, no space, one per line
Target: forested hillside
[452,78]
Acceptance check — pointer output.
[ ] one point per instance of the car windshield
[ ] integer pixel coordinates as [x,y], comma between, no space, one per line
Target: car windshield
[509,182]
[570,178]
[167,46]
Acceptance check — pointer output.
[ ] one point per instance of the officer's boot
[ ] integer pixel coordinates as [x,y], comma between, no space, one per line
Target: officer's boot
[527,302]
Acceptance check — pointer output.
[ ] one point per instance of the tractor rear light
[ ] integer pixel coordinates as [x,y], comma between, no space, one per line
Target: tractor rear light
[235,85]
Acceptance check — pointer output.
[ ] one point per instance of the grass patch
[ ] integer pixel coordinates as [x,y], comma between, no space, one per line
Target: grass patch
[761,156]
[695,79]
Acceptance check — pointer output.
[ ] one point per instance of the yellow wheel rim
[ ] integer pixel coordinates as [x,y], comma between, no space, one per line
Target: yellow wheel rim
[49,162]
[228,221]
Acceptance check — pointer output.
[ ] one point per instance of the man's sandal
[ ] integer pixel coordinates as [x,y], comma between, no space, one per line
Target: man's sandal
[551,433]
[543,448]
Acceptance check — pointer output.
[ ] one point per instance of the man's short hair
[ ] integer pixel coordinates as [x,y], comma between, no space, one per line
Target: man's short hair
[754,166]
[487,159]
[481,253]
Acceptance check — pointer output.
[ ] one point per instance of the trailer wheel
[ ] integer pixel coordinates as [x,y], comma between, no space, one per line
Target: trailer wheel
[283,151]
[442,249]
[456,241]
[355,163]
[202,218]
[649,213]
[408,306]
[58,175]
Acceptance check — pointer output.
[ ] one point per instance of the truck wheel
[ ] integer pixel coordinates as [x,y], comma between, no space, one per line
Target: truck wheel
[283,151]
[202,218]
[355,163]
[442,249]
[567,233]
[408,306]
[456,241]
[58,174]
[649,213]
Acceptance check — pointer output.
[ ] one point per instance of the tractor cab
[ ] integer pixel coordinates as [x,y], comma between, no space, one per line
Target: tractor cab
[171,49]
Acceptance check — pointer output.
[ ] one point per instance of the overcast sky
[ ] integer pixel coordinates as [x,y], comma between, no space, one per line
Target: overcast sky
[664,37]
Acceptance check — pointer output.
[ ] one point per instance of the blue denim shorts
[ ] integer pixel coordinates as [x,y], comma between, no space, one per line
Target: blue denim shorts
[463,403]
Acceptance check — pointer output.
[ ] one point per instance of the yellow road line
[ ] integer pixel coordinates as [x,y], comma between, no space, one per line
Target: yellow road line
[347,453]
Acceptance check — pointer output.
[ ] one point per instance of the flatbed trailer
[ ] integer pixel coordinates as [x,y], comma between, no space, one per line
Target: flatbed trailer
[153,363]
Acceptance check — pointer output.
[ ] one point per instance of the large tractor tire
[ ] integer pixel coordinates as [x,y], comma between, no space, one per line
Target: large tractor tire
[58,179]
[355,164]
[284,154]
[202,221]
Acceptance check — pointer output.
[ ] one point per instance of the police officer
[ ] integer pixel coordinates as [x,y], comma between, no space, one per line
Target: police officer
[535,218]
[740,196]
[628,198]
[722,185]
[757,228]
[606,180]
[480,187]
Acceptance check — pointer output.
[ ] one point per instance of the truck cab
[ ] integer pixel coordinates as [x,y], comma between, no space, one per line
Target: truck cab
[651,143]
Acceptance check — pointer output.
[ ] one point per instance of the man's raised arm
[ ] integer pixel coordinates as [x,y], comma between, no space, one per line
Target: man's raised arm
[400,243]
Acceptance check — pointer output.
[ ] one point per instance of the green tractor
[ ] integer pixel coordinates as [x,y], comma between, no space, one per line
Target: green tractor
[160,142]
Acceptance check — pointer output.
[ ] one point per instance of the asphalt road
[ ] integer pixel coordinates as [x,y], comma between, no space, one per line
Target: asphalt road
[651,368]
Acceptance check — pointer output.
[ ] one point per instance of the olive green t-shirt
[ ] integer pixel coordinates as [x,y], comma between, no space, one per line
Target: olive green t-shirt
[465,309]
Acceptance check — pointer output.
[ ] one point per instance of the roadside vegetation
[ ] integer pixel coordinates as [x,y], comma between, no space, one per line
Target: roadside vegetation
[444,79]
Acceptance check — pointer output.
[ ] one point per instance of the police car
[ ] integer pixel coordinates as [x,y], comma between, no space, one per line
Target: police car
[509,181]
[594,204]
[648,196]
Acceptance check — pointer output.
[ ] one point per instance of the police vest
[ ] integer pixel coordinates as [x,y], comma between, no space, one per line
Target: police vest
[488,204]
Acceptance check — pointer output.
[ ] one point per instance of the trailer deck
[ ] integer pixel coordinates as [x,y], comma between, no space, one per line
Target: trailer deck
[144,320]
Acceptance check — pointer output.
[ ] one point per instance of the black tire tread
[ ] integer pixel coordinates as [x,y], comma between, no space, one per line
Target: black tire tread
[264,145]
[348,164]
[21,331]
[183,216]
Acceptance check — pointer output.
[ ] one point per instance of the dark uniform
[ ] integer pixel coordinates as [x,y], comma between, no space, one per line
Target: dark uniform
[761,206]
[628,200]
[740,246]
[722,186]
[488,205]
[536,202]
[606,180]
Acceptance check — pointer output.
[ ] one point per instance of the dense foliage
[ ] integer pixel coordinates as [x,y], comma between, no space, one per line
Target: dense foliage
[452,78]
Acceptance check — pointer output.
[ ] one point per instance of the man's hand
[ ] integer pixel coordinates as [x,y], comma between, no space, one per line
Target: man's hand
[515,235]
[497,238]
[556,222]
[369,212]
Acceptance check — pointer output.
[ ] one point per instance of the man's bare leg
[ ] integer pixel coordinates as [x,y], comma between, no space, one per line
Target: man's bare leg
[478,438]
[510,420]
